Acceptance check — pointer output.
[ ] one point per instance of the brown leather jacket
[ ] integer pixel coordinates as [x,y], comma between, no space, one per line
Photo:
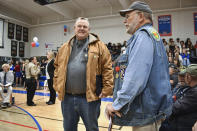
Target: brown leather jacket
[99,60]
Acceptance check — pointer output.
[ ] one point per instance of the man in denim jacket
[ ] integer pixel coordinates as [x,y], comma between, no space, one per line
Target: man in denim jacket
[142,94]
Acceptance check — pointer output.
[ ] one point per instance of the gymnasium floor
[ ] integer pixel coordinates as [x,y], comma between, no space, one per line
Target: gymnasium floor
[42,117]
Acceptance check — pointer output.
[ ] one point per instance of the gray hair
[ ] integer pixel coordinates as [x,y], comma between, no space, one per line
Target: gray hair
[147,15]
[82,18]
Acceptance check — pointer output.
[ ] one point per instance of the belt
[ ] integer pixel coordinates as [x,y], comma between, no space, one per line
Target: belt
[82,95]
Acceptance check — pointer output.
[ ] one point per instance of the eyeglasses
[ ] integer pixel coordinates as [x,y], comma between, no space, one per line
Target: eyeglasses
[84,26]
[127,15]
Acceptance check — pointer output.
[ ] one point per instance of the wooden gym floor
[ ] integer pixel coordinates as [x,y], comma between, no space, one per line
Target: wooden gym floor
[42,117]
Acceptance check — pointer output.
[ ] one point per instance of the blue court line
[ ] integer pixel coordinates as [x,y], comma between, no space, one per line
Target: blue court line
[36,93]
[48,94]
[38,125]
[107,99]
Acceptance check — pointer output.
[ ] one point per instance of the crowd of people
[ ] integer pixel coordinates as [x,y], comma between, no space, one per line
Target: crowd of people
[27,74]
[179,52]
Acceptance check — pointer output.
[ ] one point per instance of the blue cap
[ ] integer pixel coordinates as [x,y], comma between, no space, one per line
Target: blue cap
[137,5]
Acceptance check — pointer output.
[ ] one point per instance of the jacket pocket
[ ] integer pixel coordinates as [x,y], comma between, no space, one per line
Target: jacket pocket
[93,60]
[99,84]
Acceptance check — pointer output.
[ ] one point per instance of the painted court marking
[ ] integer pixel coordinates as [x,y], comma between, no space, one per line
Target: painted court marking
[37,124]
[48,94]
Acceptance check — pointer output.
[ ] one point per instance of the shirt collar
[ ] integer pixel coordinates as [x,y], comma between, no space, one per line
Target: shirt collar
[132,37]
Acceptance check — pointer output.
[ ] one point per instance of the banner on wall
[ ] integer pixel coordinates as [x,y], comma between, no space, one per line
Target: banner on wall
[25,34]
[1,33]
[11,30]
[164,25]
[21,49]
[18,32]
[14,45]
[49,47]
[195,23]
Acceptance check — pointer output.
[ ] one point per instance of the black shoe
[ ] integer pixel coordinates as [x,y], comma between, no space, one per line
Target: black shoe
[31,104]
[8,104]
[51,103]
[48,102]
[4,105]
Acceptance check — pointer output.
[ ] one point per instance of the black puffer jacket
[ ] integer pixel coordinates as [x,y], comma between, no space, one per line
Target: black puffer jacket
[184,112]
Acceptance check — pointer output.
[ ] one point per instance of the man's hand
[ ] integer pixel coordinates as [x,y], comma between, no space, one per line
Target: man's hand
[109,110]
[102,96]
[194,128]
[171,81]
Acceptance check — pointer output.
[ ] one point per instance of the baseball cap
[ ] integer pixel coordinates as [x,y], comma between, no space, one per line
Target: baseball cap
[192,69]
[137,5]
[173,66]
[182,72]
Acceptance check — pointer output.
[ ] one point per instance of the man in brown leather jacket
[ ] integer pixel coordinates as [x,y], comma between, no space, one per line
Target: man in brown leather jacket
[83,75]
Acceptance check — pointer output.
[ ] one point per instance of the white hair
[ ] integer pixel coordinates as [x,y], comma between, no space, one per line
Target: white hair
[82,18]
[51,54]
[6,65]
[147,15]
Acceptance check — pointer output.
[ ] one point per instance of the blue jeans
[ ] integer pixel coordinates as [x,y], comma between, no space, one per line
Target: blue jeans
[74,107]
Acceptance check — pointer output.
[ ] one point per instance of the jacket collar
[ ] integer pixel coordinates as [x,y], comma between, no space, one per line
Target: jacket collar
[92,38]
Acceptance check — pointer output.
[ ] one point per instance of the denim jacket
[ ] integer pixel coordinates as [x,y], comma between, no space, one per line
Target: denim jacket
[142,90]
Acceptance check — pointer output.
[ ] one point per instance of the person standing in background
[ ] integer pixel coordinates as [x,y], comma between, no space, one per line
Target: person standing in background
[17,69]
[32,72]
[49,74]
[43,67]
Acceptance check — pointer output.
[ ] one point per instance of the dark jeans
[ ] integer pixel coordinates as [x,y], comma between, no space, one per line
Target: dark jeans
[52,91]
[74,107]
[31,88]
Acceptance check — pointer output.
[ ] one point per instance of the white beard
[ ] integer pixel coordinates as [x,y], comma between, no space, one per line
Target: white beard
[132,26]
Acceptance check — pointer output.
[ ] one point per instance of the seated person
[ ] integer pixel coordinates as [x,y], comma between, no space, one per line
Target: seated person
[177,93]
[6,80]
[180,88]
[184,111]
[173,75]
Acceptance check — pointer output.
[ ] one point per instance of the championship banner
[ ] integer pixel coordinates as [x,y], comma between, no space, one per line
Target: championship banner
[164,25]
[195,23]
[1,33]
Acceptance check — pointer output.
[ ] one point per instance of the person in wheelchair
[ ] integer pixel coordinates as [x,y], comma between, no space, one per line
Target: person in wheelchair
[6,80]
